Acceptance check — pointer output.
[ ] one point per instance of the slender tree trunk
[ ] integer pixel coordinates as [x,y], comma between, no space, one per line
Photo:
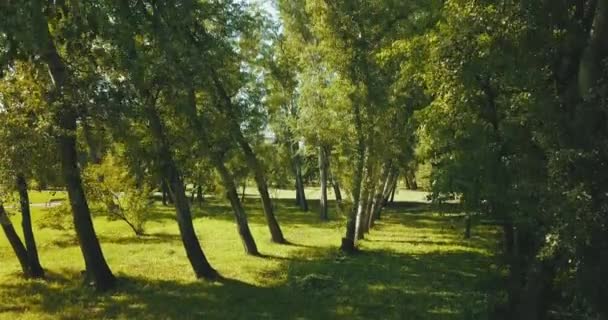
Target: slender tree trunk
[361,214]
[337,190]
[97,270]
[252,162]
[243,189]
[171,175]
[239,213]
[95,155]
[300,192]
[323,168]
[192,193]
[36,270]
[260,179]
[591,62]
[380,191]
[408,183]
[167,199]
[163,192]
[15,241]
[348,242]
[394,190]
[467,226]
[368,209]
[199,195]
[361,219]
[412,177]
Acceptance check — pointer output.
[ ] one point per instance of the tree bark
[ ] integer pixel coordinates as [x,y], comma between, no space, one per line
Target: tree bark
[163,192]
[363,200]
[252,162]
[590,65]
[323,174]
[300,192]
[201,266]
[192,194]
[348,242]
[97,270]
[36,270]
[167,200]
[380,192]
[337,191]
[243,189]
[15,241]
[237,208]
[200,198]
[467,226]
[368,209]
[394,190]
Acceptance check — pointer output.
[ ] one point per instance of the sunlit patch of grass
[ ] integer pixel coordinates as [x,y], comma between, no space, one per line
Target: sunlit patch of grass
[415,264]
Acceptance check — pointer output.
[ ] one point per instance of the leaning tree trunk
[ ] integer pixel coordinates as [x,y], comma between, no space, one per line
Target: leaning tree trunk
[252,162]
[378,197]
[36,270]
[260,180]
[337,191]
[97,269]
[15,241]
[394,190]
[323,175]
[201,266]
[239,213]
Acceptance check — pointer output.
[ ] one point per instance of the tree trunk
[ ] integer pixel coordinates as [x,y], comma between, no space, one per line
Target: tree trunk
[167,200]
[95,154]
[243,189]
[591,63]
[412,176]
[98,271]
[348,242]
[260,180]
[337,191]
[323,167]
[177,192]
[368,209]
[36,270]
[252,162]
[239,213]
[15,241]
[300,192]
[192,194]
[361,219]
[467,227]
[392,200]
[200,198]
[97,268]
[361,215]
[380,192]
[163,192]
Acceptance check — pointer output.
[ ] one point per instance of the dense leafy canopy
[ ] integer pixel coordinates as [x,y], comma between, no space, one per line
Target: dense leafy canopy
[505,102]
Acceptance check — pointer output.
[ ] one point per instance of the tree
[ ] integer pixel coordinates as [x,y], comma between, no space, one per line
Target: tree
[40,41]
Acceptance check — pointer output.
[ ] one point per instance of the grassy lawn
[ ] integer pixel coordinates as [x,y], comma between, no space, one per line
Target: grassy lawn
[414,265]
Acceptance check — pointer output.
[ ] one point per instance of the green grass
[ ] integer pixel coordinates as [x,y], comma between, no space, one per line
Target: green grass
[414,265]
[39,197]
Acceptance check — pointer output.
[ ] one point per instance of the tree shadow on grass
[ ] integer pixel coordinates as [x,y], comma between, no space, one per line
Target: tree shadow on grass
[384,282]
[378,284]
